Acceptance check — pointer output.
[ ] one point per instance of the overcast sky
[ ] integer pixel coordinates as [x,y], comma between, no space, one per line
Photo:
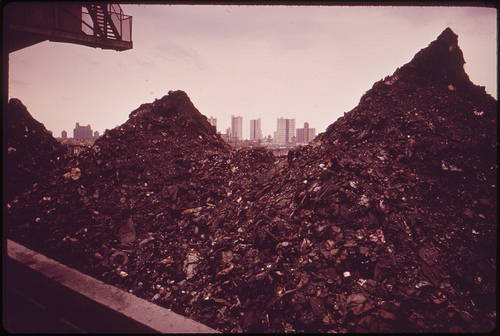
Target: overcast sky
[308,63]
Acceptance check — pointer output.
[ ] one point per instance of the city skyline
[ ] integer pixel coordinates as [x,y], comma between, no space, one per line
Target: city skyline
[285,131]
[78,129]
[79,132]
[212,120]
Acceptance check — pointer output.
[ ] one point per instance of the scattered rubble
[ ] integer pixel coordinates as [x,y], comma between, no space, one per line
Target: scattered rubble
[384,223]
[29,150]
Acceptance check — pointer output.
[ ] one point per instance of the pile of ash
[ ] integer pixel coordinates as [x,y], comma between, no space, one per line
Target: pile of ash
[384,223]
[29,150]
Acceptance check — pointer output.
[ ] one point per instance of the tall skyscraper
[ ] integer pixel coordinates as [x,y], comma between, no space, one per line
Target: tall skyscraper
[255,130]
[285,133]
[64,135]
[82,132]
[236,128]
[306,134]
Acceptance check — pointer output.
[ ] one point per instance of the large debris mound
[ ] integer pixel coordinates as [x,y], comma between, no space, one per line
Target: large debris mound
[29,149]
[400,193]
[384,223]
[140,178]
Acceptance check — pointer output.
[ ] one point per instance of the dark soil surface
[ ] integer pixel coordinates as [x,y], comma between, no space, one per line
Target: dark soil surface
[387,222]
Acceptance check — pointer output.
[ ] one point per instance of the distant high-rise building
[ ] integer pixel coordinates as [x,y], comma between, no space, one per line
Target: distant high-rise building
[285,134]
[306,134]
[255,130]
[82,132]
[213,122]
[236,128]
[96,134]
[64,135]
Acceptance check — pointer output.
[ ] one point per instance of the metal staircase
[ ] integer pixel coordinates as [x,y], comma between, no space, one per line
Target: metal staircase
[108,21]
[98,25]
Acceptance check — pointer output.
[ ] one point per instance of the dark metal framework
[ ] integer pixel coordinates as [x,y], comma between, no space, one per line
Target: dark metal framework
[98,25]
[94,24]
[107,21]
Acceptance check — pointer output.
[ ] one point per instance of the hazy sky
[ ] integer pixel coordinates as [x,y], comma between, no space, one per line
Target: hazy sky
[308,63]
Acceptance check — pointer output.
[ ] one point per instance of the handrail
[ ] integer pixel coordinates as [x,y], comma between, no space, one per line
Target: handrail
[121,21]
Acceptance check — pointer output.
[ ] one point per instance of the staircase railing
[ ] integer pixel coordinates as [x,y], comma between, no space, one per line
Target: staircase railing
[107,21]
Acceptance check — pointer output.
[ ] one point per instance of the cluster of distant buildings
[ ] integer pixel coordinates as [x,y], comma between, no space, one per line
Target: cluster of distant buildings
[285,135]
[81,133]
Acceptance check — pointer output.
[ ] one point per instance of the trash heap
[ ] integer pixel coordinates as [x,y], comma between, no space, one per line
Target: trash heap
[387,221]
[145,176]
[384,223]
[29,150]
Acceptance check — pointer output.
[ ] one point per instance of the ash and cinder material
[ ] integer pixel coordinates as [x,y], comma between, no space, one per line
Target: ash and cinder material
[384,223]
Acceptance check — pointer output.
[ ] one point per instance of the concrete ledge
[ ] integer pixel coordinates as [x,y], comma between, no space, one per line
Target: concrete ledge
[81,303]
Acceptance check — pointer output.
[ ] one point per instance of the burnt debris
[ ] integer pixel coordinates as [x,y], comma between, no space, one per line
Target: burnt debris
[384,223]
[29,150]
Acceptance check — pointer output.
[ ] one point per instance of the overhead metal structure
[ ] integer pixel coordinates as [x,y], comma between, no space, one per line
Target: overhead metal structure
[94,24]
[98,25]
